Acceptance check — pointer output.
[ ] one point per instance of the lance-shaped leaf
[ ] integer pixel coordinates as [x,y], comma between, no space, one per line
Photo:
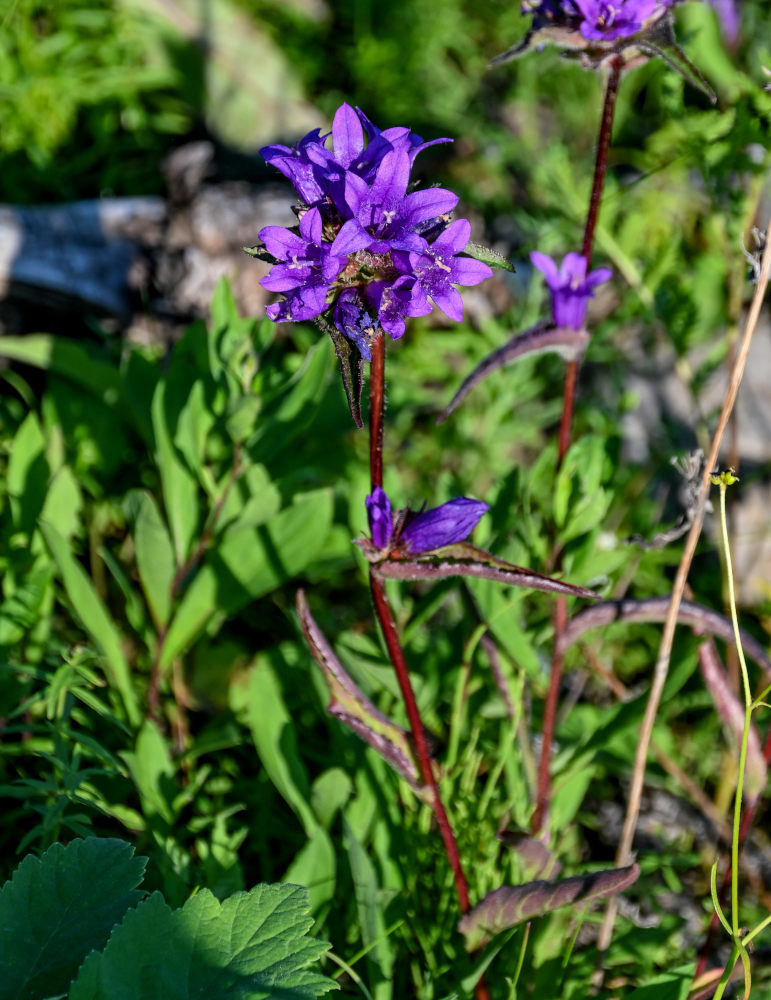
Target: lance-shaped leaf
[702,620]
[542,337]
[260,253]
[731,711]
[660,41]
[512,904]
[352,707]
[488,256]
[464,559]
[351,368]
[535,858]
[563,37]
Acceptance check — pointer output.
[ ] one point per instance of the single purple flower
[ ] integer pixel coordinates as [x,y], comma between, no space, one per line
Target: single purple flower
[432,529]
[295,163]
[353,321]
[570,286]
[394,301]
[452,522]
[381,524]
[604,20]
[438,268]
[310,266]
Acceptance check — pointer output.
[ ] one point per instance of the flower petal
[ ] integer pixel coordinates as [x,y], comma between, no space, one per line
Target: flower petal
[381,525]
[452,522]
[546,266]
[347,137]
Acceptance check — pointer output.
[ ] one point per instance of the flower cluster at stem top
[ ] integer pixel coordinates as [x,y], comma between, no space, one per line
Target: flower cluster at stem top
[447,524]
[369,252]
[597,20]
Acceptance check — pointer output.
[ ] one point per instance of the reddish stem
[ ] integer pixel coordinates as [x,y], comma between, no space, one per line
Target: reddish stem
[543,793]
[396,654]
[425,762]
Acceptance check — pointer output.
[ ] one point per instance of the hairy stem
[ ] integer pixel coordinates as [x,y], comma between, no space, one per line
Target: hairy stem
[543,794]
[391,638]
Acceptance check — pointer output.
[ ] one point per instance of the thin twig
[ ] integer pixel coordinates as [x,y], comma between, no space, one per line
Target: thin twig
[661,668]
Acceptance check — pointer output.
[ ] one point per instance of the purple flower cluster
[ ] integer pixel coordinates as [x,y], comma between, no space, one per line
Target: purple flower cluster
[448,524]
[597,20]
[570,286]
[368,250]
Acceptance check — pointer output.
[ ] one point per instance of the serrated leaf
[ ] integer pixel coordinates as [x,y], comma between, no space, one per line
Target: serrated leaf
[488,256]
[513,904]
[252,946]
[57,908]
[539,339]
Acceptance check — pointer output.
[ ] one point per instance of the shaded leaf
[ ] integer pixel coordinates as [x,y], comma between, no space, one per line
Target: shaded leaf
[249,562]
[511,905]
[57,908]
[93,615]
[542,337]
[672,985]
[154,553]
[252,946]
[488,256]
[465,559]
[351,371]
[353,707]
[654,609]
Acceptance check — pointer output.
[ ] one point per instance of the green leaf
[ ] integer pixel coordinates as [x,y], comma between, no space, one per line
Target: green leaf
[154,552]
[153,774]
[295,407]
[673,985]
[67,358]
[57,908]
[488,256]
[180,489]
[28,473]
[247,563]
[380,957]
[63,503]
[252,946]
[94,617]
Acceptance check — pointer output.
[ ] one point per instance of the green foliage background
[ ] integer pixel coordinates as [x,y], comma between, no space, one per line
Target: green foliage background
[158,512]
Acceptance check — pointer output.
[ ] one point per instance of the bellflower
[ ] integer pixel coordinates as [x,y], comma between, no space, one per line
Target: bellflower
[370,251]
[433,529]
[604,20]
[570,286]
[306,270]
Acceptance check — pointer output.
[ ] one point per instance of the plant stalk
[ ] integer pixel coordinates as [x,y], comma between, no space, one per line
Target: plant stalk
[391,638]
[543,794]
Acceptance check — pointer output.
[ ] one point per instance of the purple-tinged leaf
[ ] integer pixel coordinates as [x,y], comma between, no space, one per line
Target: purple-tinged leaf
[351,369]
[489,256]
[465,559]
[511,905]
[352,707]
[536,860]
[542,337]
[731,711]
[703,620]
